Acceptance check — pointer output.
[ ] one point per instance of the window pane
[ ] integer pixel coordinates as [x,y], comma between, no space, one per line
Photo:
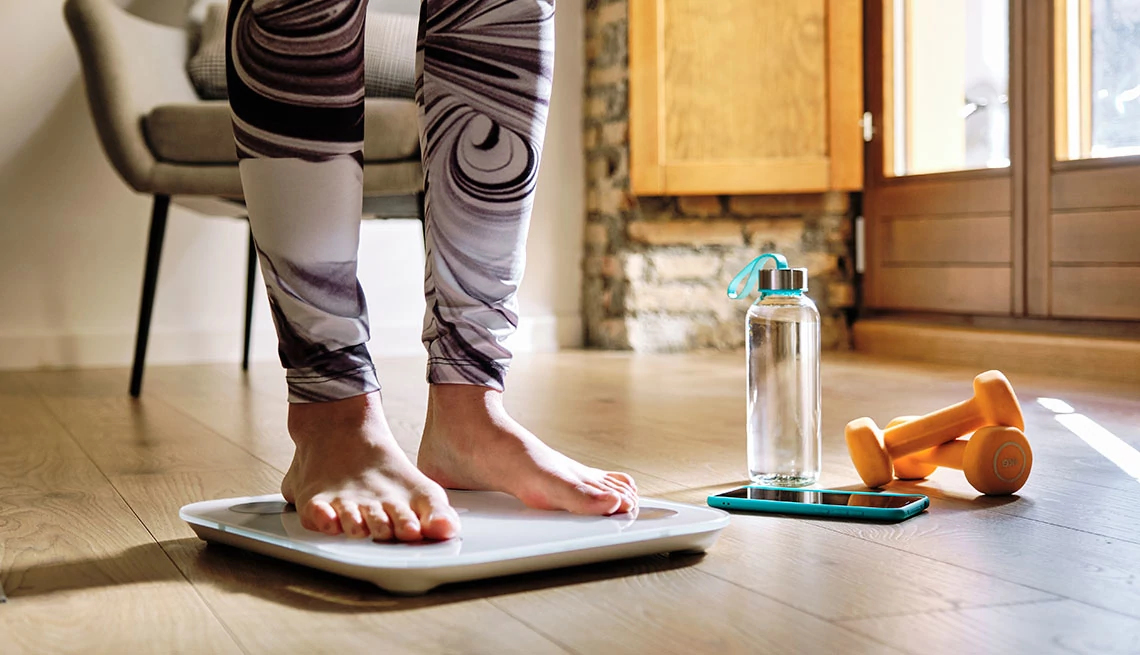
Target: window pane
[949,85]
[1098,78]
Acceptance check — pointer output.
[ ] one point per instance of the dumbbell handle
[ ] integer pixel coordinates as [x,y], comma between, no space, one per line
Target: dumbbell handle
[949,455]
[933,429]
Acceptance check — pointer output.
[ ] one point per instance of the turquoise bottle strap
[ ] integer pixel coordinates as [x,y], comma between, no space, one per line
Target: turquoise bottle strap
[750,277]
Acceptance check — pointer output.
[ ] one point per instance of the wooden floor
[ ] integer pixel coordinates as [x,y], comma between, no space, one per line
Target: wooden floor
[93,556]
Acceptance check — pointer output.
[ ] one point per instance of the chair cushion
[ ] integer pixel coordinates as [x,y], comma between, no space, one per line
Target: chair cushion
[389,55]
[201,132]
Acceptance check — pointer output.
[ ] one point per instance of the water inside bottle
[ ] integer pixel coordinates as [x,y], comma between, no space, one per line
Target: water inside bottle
[783,400]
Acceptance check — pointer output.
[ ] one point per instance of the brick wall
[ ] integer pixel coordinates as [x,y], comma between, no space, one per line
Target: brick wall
[656,268]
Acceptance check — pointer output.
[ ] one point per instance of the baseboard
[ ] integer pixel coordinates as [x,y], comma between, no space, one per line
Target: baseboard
[547,333]
[1025,352]
[167,347]
[106,350]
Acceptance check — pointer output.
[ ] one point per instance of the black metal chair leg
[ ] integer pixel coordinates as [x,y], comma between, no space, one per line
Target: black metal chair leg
[250,279]
[150,280]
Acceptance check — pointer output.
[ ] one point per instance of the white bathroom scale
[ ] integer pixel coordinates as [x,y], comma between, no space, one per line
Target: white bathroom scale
[500,536]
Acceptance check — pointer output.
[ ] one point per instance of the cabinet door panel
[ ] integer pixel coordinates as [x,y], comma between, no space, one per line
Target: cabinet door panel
[745,96]
[744,79]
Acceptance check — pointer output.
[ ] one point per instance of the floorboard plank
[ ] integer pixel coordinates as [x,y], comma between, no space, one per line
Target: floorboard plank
[678,611]
[1049,627]
[123,435]
[254,422]
[792,561]
[1096,570]
[80,571]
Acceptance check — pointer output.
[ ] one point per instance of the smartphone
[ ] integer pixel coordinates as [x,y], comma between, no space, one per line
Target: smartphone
[866,505]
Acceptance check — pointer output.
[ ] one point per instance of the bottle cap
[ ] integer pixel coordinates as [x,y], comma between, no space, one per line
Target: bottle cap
[780,280]
[783,279]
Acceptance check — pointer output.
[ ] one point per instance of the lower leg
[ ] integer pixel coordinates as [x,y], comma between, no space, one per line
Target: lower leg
[298,127]
[485,70]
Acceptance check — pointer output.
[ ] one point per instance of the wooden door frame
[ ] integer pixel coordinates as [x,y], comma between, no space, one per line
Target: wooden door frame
[1038,149]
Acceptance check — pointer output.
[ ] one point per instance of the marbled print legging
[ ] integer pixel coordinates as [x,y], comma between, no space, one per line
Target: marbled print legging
[295,72]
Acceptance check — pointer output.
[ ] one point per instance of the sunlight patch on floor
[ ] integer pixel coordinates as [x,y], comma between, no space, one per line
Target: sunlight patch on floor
[1094,434]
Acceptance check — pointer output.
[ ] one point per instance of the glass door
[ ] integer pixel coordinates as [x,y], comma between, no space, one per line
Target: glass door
[939,199]
[949,86]
[1083,179]
[1097,79]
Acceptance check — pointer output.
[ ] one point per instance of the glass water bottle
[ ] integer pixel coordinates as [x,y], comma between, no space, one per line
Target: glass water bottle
[783,376]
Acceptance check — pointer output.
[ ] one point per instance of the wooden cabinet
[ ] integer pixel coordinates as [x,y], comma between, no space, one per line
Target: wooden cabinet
[745,96]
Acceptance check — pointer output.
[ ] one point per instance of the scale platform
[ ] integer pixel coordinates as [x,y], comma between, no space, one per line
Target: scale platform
[500,536]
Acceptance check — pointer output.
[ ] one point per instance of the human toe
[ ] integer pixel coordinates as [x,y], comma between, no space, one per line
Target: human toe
[351,522]
[376,519]
[593,498]
[437,518]
[405,523]
[620,482]
[628,503]
[320,516]
[628,497]
[626,478]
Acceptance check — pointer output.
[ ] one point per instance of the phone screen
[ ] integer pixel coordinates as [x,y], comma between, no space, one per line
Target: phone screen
[820,497]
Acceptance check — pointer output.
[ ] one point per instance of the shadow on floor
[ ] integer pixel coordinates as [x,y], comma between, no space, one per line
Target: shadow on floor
[216,567]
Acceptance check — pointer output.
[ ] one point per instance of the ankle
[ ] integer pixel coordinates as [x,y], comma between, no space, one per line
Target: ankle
[347,416]
[451,399]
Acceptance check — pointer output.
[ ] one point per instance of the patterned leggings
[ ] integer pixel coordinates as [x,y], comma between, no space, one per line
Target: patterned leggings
[295,71]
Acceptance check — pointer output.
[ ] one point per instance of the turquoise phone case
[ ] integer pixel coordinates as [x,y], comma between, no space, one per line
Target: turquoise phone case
[807,509]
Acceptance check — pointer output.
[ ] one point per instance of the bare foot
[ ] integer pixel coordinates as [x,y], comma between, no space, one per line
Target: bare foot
[349,476]
[471,443]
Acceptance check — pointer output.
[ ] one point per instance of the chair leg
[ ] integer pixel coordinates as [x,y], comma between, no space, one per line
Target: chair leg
[150,280]
[250,279]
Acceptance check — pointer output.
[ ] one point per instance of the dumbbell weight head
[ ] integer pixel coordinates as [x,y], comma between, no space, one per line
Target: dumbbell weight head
[997,460]
[997,401]
[909,467]
[865,445]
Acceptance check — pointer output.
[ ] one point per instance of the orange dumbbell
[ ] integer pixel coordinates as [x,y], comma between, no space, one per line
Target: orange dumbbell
[911,467]
[995,459]
[872,450]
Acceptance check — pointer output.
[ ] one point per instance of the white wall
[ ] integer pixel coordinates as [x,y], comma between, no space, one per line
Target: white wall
[72,235]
